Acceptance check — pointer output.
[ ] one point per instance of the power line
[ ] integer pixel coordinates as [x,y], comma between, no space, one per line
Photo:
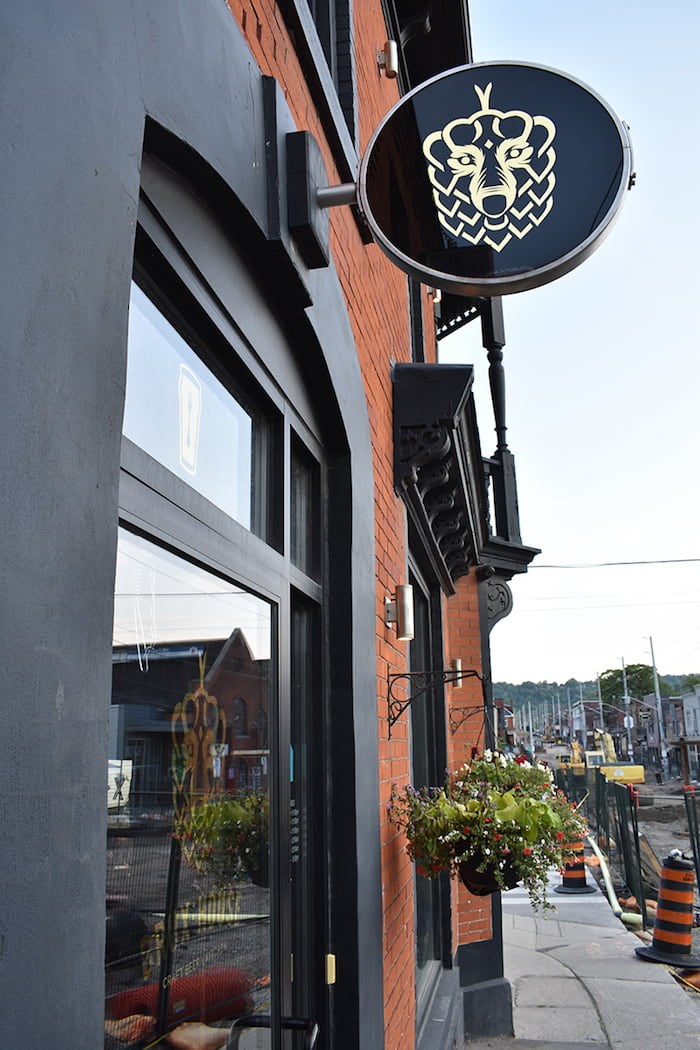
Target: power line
[651,603]
[613,564]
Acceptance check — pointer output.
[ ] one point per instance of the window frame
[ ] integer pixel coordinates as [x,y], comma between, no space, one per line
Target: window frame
[159,282]
[162,507]
[324,42]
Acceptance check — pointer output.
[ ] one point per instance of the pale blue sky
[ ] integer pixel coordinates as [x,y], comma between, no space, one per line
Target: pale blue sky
[603,366]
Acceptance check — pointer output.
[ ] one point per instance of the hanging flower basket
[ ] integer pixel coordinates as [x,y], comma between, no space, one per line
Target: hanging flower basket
[483,883]
[496,822]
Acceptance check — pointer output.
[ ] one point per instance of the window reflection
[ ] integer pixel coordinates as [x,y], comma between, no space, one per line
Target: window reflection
[188,932]
[305,511]
[180,414]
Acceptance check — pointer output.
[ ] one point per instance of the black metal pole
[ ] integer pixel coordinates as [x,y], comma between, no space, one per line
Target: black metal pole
[169,934]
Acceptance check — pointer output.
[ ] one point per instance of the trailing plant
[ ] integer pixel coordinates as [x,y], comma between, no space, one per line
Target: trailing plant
[502,815]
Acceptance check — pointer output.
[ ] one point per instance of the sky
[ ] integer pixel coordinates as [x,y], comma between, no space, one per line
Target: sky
[602,366]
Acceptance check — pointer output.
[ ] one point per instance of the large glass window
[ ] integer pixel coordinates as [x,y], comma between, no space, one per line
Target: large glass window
[188,899]
[179,412]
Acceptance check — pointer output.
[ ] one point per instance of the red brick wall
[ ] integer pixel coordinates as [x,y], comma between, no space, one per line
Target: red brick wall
[376,293]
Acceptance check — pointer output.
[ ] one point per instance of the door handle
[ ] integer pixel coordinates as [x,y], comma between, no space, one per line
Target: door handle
[297,1024]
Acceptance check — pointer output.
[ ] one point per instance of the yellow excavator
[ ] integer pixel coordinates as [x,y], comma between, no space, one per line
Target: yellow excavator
[605,759]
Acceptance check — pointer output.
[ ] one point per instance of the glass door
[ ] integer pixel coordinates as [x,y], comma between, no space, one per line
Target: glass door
[191,784]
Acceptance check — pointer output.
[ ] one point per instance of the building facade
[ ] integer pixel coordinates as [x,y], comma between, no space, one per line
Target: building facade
[219,463]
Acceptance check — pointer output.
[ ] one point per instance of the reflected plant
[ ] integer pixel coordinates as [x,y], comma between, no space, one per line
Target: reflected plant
[227,837]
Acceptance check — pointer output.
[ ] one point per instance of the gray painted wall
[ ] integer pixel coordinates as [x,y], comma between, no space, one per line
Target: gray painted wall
[78,79]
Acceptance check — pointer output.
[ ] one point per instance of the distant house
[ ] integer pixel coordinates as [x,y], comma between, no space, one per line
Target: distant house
[505,723]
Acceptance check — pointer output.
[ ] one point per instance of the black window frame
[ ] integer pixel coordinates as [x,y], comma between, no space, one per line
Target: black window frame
[323,33]
[163,508]
[171,296]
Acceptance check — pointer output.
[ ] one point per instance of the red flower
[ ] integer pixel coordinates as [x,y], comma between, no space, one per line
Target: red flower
[527,851]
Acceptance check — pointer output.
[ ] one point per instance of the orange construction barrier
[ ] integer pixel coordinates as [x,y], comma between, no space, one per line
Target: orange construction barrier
[673,927]
[574,873]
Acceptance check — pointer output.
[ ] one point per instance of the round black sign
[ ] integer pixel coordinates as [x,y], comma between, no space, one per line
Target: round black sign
[494,178]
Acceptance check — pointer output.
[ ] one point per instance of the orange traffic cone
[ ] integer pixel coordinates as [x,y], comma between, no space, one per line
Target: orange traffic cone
[673,926]
[574,873]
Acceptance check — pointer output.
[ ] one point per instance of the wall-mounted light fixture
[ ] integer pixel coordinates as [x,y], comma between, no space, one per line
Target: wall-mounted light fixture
[399,610]
[388,60]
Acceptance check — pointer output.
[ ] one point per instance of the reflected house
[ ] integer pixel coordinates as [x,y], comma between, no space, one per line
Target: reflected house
[241,685]
[155,714]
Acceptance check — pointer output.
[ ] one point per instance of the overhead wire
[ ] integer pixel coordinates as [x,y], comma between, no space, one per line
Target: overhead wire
[614,564]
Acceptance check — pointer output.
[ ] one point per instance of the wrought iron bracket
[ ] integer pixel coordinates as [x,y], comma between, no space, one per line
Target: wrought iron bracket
[459,715]
[421,682]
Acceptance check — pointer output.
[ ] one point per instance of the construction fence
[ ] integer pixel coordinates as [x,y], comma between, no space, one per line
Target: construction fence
[612,810]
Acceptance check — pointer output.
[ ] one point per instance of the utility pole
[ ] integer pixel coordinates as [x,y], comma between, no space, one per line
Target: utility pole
[582,709]
[659,710]
[628,717]
[600,704]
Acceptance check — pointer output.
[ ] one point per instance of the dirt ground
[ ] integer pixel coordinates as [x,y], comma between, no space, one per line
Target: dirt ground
[664,824]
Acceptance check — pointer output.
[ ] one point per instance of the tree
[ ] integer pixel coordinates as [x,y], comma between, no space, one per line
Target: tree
[640,682]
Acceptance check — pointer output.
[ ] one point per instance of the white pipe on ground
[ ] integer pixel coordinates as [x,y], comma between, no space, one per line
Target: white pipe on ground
[630,918]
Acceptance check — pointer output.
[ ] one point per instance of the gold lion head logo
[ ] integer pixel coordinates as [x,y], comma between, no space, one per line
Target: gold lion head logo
[492,173]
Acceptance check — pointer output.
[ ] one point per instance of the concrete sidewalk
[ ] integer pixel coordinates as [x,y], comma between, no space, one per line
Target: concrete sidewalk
[577,983]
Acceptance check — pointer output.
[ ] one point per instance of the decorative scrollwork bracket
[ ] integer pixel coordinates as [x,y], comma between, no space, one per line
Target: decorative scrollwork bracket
[459,715]
[420,683]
